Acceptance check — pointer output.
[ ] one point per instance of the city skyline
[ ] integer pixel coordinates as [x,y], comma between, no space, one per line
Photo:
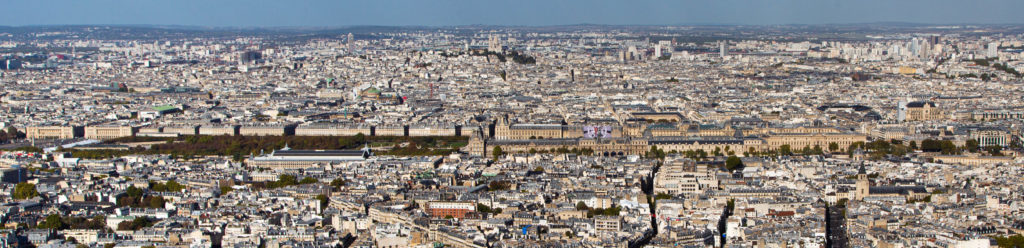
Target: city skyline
[267,13]
[485,124]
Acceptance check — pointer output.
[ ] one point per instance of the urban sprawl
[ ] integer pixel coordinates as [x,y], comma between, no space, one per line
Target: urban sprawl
[479,136]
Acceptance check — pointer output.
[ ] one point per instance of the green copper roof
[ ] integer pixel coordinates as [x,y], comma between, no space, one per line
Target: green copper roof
[164,108]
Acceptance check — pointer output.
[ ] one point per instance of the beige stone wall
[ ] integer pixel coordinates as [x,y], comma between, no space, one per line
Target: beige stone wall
[49,132]
[108,132]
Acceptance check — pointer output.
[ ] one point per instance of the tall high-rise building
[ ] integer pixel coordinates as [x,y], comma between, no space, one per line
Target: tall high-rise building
[657,51]
[914,47]
[722,49]
[248,57]
[11,64]
[993,50]
[895,50]
[350,41]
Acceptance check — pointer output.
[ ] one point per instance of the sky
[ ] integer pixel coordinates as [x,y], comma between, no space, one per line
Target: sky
[336,13]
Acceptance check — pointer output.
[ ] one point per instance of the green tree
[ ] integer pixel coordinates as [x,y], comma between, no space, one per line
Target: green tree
[338,183]
[732,163]
[854,146]
[879,145]
[612,211]
[948,147]
[497,152]
[224,189]
[899,150]
[52,221]
[833,147]
[286,179]
[1015,241]
[97,222]
[913,145]
[662,196]
[581,206]
[785,150]
[324,200]
[308,180]
[994,150]
[483,208]
[132,191]
[930,145]
[971,145]
[136,224]
[499,185]
[157,202]
[24,191]
[173,185]
[169,186]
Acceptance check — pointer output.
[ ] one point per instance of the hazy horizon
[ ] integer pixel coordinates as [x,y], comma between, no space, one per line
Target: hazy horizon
[323,13]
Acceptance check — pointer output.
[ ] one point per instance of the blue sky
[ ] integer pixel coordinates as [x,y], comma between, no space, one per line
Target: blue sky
[268,13]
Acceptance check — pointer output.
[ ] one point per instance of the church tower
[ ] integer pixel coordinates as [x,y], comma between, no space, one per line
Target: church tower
[863,185]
